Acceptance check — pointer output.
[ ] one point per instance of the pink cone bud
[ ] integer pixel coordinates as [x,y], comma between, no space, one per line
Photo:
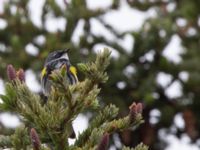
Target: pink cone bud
[11,73]
[35,139]
[21,75]
[134,110]
[104,142]
[139,108]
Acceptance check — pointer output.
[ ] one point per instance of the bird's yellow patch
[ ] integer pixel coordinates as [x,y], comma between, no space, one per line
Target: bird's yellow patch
[44,71]
[73,71]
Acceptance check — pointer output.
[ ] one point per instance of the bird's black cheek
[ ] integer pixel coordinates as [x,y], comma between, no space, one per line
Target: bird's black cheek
[58,55]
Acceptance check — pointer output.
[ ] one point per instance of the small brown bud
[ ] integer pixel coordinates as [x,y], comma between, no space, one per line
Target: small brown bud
[21,75]
[139,108]
[104,142]
[134,110]
[11,73]
[35,139]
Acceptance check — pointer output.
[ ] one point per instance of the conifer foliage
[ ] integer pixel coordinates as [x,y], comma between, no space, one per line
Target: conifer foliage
[48,126]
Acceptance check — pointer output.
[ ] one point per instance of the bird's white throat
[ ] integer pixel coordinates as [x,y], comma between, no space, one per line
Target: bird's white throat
[65,56]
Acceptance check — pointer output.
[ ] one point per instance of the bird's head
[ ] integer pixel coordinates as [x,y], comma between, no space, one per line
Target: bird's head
[58,54]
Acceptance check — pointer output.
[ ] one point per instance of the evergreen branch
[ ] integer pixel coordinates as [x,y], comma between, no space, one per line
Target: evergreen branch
[20,139]
[53,121]
[28,105]
[116,125]
[122,123]
[94,139]
[140,146]
[87,90]
[96,71]
[5,142]
[105,115]
[9,99]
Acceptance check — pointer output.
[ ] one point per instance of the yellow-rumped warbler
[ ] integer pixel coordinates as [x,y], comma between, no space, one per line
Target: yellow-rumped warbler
[54,61]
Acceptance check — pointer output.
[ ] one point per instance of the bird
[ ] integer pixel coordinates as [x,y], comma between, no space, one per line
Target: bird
[54,61]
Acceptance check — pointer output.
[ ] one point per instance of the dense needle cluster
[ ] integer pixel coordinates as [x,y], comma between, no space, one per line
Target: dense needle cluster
[47,126]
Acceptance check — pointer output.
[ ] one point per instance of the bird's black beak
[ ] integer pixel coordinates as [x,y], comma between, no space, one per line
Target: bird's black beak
[66,51]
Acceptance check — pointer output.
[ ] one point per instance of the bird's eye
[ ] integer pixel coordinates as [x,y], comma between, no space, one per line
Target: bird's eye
[56,55]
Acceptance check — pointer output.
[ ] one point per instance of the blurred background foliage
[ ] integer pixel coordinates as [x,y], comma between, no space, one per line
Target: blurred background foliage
[133,74]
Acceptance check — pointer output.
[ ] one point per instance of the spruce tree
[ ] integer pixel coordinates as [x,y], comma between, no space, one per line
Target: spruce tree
[47,125]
